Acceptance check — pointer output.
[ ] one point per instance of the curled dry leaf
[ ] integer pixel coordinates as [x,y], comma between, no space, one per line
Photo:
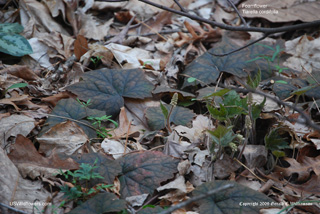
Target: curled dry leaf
[64,139]
[13,188]
[30,163]
[13,125]
[21,71]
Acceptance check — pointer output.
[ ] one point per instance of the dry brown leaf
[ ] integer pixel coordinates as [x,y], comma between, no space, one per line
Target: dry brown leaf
[126,128]
[13,188]
[256,155]
[302,168]
[12,100]
[195,134]
[224,167]
[21,71]
[54,99]
[64,138]
[80,46]
[90,29]
[305,54]
[30,163]
[13,125]
[38,13]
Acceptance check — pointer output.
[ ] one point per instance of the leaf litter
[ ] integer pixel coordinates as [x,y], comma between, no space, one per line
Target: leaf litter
[87,62]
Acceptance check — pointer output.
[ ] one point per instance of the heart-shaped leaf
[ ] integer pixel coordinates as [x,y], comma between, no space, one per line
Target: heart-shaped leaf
[144,171]
[239,199]
[70,109]
[179,116]
[206,68]
[100,203]
[107,168]
[107,87]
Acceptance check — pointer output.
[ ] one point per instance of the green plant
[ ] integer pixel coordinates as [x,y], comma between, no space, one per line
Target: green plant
[11,42]
[166,113]
[79,177]
[95,60]
[271,59]
[16,85]
[84,104]
[222,137]
[102,131]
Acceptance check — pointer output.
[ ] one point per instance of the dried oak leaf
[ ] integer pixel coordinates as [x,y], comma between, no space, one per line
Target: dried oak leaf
[143,172]
[302,168]
[107,87]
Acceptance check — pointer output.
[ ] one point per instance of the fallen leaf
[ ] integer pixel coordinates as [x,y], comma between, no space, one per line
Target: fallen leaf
[100,203]
[80,46]
[107,87]
[302,168]
[18,191]
[30,163]
[21,71]
[142,172]
[13,125]
[64,138]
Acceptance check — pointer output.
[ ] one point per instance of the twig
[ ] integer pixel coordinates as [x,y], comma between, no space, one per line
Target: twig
[196,198]
[237,11]
[234,28]
[122,34]
[14,209]
[243,47]
[180,6]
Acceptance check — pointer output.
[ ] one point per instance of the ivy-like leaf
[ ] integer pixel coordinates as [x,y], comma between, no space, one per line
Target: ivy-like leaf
[70,109]
[274,141]
[144,171]
[100,203]
[233,200]
[107,87]
[179,116]
[222,135]
[207,67]
[14,44]
[107,168]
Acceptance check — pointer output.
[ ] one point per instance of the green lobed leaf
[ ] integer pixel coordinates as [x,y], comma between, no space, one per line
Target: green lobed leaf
[14,44]
[106,167]
[143,172]
[71,110]
[233,200]
[179,116]
[107,87]
[222,135]
[274,141]
[207,67]
[100,203]
[11,28]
